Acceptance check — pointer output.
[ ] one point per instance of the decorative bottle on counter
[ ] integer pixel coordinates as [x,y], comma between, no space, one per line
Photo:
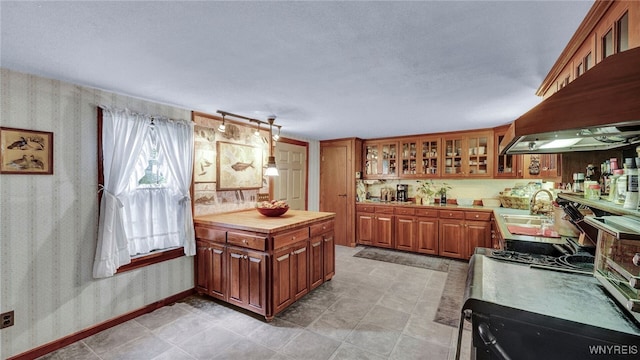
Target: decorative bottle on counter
[631,199]
[443,198]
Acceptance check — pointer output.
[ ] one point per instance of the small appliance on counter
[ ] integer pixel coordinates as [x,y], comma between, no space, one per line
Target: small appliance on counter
[402,192]
[617,262]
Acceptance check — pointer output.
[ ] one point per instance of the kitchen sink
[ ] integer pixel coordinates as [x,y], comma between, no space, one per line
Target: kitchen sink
[523,220]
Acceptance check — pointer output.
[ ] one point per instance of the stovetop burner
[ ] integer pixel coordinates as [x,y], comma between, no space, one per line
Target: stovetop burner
[578,263]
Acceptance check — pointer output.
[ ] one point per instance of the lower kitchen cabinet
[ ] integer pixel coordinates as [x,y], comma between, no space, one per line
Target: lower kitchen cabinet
[427,232]
[405,233]
[247,279]
[462,231]
[377,228]
[452,235]
[210,269]
[290,274]
[263,272]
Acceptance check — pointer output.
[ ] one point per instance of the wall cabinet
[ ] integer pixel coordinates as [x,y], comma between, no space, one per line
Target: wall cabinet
[542,166]
[380,159]
[505,166]
[264,272]
[468,154]
[419,157]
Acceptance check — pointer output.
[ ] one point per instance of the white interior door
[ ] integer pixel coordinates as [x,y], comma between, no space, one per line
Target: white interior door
[291,185]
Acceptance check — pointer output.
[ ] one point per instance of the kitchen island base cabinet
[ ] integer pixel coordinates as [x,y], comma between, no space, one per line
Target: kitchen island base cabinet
[247,279]
[263,269]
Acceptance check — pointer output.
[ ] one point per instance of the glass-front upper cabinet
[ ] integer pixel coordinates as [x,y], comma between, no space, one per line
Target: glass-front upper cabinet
[381,159]
[453,148]
[468,154]
[431,165]
[419,157]
[505,166]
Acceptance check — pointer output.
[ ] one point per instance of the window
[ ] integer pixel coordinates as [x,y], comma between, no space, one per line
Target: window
[607,44]
[579,70]
[622,42]
[587,62]
[145,172]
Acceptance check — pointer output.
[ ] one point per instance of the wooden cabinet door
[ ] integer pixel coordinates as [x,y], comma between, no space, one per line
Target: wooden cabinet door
[247,272]
[329,256]
[478,234]
[282,290]
[366,228]
[300,269]
[383,237]
[380,159]
[204,264]
[212,266]
[290,274]
[451,241]
[542,166]
[505,166]
[316,262]
[405,233]
[427,235]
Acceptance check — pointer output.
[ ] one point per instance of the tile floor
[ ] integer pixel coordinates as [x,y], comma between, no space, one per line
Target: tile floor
[370,310]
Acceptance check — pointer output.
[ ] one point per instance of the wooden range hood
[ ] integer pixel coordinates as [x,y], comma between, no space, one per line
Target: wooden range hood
[597,111]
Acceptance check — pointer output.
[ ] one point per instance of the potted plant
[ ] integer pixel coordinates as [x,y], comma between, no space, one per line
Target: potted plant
[426,190]
[442,191]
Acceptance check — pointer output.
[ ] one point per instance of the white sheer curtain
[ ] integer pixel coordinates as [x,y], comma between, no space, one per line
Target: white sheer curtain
[137,217]
[123,134]
[176,142]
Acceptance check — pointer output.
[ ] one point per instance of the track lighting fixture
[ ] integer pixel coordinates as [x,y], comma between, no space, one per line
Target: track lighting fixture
[272,169]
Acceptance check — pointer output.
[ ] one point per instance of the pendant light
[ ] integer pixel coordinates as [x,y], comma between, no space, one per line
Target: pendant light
[222,128]
[271,170]
[276,137]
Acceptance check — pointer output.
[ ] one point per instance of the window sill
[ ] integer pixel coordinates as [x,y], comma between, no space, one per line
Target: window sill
[152,258]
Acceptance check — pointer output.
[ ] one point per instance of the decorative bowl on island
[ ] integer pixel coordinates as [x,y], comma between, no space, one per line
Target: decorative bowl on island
[272,208]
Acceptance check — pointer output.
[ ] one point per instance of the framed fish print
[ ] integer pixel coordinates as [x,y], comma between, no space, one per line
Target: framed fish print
[26,151]
[238,166]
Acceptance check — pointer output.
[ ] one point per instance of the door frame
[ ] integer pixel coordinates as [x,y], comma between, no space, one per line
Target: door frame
[306,178]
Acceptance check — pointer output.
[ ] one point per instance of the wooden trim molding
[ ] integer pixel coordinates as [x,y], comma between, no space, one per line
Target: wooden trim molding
[70,339]
[152,258]
[582,34]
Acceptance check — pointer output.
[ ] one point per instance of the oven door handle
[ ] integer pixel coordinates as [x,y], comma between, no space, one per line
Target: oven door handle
[491,341]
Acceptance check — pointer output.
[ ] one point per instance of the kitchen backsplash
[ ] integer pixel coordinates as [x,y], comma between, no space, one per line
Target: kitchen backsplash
[465,188]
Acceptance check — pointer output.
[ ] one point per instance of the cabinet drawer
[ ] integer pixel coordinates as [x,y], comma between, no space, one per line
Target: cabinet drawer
[451,214]
[206,233]
[405,211]
[427,212]
[384,210]
[477,215]
[247,240]
[321,228]
[364,208]
[290,237]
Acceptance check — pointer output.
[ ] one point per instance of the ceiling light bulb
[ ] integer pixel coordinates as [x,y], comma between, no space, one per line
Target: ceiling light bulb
[271,170]
[257,133]
[222,128]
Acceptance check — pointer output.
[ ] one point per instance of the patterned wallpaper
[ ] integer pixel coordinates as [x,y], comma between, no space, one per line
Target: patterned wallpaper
[48,223]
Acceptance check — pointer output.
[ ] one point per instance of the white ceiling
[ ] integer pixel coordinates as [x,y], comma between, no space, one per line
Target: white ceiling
[327,69]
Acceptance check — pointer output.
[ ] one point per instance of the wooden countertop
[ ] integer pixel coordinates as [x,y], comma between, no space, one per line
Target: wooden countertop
[252,220]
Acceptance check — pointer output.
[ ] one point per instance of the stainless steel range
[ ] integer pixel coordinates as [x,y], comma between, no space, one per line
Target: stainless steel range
[529,306]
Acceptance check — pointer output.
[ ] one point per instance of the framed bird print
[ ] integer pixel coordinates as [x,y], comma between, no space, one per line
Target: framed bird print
[26,151]
[238,166]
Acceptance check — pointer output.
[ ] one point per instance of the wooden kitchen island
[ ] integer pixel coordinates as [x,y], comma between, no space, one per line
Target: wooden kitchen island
[263,264]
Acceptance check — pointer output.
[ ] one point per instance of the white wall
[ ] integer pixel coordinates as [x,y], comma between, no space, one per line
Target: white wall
[48,226]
